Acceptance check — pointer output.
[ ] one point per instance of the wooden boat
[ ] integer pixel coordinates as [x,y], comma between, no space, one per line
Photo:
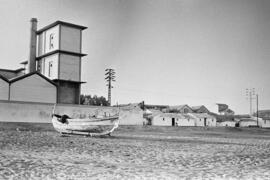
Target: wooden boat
[92,126]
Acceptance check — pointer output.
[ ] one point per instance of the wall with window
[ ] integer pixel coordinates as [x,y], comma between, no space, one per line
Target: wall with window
[160,120]
[48,40]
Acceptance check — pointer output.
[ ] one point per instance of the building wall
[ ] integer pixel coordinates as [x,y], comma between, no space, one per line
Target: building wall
[211,122]
[41,112]
[161,121]
[69,67]
[226,124]
[68,92]
[48,41]
[199,122]
[70,39]
[4,89]
[247,123]
[185,122]
[264,123]
[49,66]
[34,89]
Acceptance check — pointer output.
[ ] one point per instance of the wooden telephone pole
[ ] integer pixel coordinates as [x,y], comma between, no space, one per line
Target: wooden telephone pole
[109,77]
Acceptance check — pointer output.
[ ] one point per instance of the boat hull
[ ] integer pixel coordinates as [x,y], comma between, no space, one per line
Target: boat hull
[91,127]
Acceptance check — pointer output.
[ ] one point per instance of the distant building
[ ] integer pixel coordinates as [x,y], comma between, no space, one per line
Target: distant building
[204,119]
[200,109]
[226,123]
[179,109]
[247,122]
[172,119]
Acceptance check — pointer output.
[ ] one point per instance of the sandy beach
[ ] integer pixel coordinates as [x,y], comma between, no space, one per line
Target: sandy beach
[36,151]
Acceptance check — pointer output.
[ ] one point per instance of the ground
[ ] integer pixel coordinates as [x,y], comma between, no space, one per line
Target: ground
[36,151]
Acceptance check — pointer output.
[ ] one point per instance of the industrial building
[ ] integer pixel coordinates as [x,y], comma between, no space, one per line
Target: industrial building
[53,73]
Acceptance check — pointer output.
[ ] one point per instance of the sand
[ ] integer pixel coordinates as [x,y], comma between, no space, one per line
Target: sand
[38,152]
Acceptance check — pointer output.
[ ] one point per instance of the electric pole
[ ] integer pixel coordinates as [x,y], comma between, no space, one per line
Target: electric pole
[257,97]
[249,95]
[109,77]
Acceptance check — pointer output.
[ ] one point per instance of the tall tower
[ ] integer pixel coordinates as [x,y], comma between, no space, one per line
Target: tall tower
[59,58]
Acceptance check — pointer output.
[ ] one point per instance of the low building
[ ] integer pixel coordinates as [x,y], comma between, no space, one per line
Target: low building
[179,109]
[204,119]
[226,123]
[200,109]
[172,119]
[264,123]
[247,122]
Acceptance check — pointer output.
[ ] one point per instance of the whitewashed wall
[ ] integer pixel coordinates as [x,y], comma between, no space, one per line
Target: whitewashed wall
[70,39]
[211,122]
[54,69]
[159,120]
[69,67]
[247,123]
[226,124]
[4,89]
[34,89]
[185,122]
[264,123]
[11,111]
[44,40]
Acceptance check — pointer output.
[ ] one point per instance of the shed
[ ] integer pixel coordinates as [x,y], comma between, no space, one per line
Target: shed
[247,122]
[33,87]
[172,119]
[204,119]
[4,88]
[226,123]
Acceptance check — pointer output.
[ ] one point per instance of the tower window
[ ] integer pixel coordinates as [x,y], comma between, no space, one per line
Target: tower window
[51,41]
[50,68]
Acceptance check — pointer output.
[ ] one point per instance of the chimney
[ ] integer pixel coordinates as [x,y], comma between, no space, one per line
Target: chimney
[33,44]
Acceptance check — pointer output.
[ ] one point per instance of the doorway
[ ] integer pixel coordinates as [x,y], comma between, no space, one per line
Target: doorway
[205,122]
[173,121]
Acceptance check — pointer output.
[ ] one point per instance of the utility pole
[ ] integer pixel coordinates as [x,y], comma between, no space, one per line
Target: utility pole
[109,77]
[249,95]
[257,97]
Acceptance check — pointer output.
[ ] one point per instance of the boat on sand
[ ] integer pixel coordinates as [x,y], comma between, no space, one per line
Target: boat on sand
[92,126]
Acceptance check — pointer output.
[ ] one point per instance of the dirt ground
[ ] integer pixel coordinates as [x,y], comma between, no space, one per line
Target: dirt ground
[36,151]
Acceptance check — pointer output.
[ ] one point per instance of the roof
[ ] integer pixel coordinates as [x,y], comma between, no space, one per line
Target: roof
[201,115]
[61,23]
[5,79]
[24,62]
[15,71]
[174,115]
[30,74]
[196,107]
[60,51]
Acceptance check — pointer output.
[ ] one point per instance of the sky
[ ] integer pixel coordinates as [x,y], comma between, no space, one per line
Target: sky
[166,52]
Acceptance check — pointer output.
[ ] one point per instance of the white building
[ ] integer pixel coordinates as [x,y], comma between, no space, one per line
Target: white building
[204,119]
[247,122]
[172,119]
[226,123]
